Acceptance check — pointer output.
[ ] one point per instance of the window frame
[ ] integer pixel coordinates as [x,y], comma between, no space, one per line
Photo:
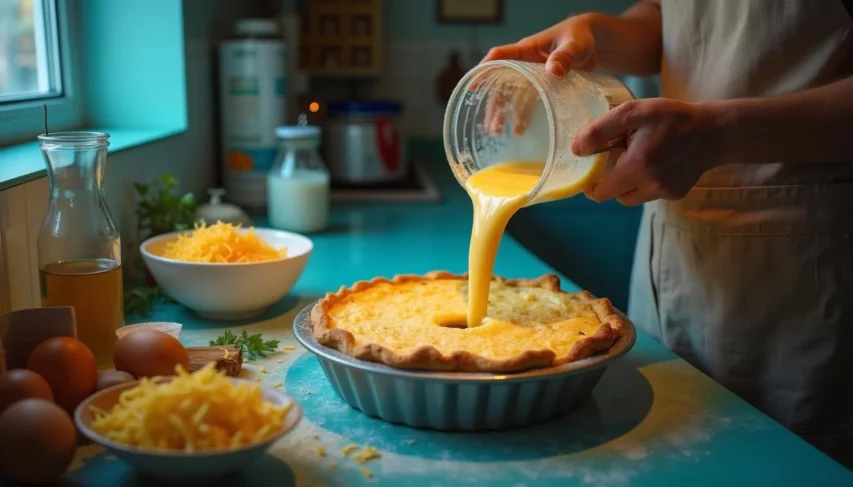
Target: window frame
[24,119]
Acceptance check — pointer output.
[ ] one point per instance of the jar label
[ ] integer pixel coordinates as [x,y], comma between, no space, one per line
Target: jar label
[388,143]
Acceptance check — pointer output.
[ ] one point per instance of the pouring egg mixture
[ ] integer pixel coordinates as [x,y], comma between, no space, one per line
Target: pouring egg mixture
[497,193]
[426,322]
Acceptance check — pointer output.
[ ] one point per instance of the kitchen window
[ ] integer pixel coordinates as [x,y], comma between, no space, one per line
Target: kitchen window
[30,66]
[35,59]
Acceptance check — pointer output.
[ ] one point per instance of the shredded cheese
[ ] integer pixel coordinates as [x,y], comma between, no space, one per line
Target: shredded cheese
[321,450]
[194,412]
[221,243]
[345,451]
[367,473]
[288,348]
[366,455]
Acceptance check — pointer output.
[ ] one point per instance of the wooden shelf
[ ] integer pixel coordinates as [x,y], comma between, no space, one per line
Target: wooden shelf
[342,38]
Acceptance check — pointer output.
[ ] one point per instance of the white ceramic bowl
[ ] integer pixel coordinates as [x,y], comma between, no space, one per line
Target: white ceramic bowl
[180,467]
[229,291]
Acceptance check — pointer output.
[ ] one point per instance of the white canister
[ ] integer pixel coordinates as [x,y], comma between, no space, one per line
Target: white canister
[253,102]
[364,142]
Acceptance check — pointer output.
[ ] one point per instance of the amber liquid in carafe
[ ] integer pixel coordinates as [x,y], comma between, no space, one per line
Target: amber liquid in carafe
[93,287]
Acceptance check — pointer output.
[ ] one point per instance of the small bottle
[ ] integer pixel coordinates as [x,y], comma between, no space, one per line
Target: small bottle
[298,185]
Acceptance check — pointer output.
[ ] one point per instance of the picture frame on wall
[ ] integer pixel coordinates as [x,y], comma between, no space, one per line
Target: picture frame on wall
[470,11]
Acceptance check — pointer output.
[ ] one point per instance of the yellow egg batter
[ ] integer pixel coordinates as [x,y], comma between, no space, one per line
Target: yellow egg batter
[497,193]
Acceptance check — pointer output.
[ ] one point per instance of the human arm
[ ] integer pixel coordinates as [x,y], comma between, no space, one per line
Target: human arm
[809,126]
[629,43]
[671,143]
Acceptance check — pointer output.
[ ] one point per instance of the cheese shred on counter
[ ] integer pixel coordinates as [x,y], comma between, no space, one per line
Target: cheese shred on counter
[221,243]
[191,413]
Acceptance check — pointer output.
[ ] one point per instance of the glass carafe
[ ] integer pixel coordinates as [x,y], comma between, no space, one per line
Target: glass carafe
[79,248]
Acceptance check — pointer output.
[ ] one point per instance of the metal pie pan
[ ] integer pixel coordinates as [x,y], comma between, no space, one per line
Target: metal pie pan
[459,400]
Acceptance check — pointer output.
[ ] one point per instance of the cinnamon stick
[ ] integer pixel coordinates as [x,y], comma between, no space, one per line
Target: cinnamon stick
[228,358]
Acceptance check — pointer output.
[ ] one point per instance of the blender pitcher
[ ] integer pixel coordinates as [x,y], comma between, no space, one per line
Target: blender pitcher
[79,248]
[513,111]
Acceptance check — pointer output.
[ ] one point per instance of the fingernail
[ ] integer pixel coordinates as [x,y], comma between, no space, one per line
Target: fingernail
[557,68]
[593,193]
[576,148]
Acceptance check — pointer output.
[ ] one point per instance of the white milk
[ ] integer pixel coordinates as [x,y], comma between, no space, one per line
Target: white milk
[298,202]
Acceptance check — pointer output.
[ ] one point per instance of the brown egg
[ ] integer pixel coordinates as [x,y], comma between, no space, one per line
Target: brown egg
[19,384]
[37,441]
[149,353]
[109,378]
[69,367]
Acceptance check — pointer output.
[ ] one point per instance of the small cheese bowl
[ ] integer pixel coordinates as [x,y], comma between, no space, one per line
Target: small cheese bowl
[178,467]
[229,291]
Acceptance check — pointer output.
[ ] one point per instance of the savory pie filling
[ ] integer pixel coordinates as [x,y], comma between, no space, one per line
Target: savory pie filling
[404,316]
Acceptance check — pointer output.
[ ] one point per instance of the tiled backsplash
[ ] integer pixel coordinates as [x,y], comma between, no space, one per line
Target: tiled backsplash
[410,72]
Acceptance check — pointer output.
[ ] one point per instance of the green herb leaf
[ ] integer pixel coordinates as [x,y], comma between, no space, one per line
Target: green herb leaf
[160,209]
[253,346]
[141,188]
[139,301]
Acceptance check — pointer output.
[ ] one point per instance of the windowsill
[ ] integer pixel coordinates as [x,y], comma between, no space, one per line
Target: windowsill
[21,163]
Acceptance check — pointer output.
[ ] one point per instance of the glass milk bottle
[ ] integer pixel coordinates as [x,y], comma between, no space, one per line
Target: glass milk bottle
[79,248]
[298,185]
[516,112]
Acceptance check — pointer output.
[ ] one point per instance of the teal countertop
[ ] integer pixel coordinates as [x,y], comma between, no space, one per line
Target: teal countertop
[653,419]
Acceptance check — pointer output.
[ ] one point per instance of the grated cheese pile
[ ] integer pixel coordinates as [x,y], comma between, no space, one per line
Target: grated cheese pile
[191,413]
[221,243]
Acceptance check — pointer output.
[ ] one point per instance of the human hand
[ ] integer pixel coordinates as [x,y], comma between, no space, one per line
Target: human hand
[670,144]
[564,46]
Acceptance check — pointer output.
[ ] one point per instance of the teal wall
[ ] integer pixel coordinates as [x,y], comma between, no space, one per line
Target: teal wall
[122,41]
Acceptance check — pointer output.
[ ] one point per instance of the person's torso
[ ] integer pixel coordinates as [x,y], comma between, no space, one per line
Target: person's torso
[723,49]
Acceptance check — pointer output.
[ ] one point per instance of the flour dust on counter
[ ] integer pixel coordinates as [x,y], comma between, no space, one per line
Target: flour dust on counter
[600,449]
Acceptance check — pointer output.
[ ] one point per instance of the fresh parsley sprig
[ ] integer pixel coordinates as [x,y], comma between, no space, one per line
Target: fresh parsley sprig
[253,346]
[139,301]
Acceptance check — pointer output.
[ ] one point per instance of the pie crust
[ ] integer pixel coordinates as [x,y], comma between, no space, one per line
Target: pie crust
[428,357]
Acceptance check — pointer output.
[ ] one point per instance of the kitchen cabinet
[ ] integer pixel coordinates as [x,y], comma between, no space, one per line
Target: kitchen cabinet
[592,242]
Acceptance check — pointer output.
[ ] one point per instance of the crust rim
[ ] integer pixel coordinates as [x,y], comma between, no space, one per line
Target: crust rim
[429,358]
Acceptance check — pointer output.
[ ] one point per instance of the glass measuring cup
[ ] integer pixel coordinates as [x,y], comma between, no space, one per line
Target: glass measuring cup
[79,248]
[513,111]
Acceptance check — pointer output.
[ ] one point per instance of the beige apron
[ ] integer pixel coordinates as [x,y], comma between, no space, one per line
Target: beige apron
[750,277]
